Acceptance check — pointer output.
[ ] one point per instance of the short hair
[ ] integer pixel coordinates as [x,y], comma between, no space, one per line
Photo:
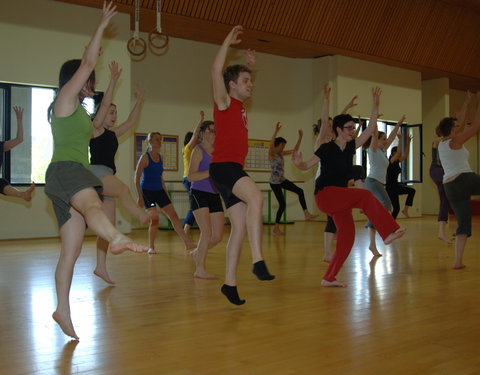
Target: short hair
[340,120]
[232,73]
[445,126]
[279,140]
[187,138]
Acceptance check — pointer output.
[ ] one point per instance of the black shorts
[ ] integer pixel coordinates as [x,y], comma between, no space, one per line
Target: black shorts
[152,197]
[224,177]
[3,183]
[200,199]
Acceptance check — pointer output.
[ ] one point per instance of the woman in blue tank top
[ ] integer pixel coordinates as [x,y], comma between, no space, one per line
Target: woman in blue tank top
[151,192]
[205,200]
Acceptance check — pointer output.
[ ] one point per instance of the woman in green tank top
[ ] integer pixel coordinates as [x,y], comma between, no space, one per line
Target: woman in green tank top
[72,188]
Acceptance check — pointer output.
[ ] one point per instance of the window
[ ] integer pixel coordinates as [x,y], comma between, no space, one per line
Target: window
[29,160]
[412,168]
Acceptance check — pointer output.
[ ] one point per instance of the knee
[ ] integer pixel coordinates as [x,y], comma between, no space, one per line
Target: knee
[154,221]
[256,199]
[123,189]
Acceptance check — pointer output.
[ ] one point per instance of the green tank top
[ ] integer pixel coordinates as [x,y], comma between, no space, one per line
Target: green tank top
[71,136]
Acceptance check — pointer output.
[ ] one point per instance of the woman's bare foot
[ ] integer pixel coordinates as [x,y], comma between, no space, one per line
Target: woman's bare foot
[459,266]
[201,274]
[405,212]
[190,245]
[122,243]
[277,231]
[374,251]
[103,274]
[393,236]
[445,239]
[309,216]
[334,283]
[65,323]
[27,195]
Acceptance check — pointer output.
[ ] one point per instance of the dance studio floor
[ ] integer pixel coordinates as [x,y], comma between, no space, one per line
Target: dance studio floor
[407,312]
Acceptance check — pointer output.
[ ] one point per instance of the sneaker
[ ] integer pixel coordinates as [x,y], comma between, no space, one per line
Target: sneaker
[151,251]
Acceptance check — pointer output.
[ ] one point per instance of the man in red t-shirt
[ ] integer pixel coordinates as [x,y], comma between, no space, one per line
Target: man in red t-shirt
[242,197]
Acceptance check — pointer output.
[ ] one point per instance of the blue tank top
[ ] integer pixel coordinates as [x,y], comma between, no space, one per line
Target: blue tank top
[206,184]
[152,175]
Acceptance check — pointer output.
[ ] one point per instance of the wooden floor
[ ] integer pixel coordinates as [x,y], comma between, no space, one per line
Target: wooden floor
[406,313]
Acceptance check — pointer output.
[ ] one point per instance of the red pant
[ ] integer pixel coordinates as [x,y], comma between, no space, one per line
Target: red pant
[338,203]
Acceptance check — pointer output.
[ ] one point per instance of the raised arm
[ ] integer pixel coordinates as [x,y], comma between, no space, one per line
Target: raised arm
[194,140]
[404,155]
[461,137]
[134,114]
[304,165]
[325,127]
[394,132]
[372,124]
[196,159]
[115,73]
[359,127]
[67,99]
[398,154]
[462,114]
[297,145]
[349,105]
[271,147]
[220,94]
[8,145]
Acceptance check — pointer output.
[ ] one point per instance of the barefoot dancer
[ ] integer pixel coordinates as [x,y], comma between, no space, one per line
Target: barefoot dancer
[151,191]
[335,199]
[103,147]
[68,182]
[242,197]
[459,181]
[204,199]
[5,187]
[278,180]
[377,146]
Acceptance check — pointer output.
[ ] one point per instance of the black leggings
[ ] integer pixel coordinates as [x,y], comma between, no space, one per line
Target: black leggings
[290,186]
[397,190]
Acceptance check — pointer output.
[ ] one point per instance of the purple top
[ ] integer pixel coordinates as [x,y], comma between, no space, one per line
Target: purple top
[206,184]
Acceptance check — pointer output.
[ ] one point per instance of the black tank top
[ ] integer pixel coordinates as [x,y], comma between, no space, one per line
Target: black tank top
[103,149]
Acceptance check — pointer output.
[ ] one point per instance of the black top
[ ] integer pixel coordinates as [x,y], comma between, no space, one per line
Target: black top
[1,153]
[435,157]
[103,149]
[336,165]
[393,171]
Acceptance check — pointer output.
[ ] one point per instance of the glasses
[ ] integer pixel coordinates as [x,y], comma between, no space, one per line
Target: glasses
[350,127]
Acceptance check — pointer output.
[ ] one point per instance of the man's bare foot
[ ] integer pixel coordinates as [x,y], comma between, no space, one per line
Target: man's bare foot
[393,236]
[103,274]
[151,251]
[201,274]
[65,324]
[459,266]
[122,243]
[405,212]
[445,239]
[277,231]
[334,283]
[309,216]
[27,195]
[374,251]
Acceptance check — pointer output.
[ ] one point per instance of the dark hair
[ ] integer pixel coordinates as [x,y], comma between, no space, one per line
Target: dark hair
[187,138]
[340,120]
[279,140]
[393,151]
[369,140]
[316,127]
[202,128]
[67,71]
[445,126]
[232,73]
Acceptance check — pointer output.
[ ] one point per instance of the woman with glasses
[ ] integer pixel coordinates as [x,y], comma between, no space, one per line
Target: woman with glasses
[337,200]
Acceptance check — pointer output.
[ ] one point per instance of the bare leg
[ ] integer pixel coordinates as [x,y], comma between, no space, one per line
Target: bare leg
[169,210]
[277,231]
[113,187]
[108,207]
[405,211]
[25,195]
[328,243]
[152,231]
[186,229]
[441,232]
[89,205]
[71,234]
[202,217]
[460,242]
[373,243]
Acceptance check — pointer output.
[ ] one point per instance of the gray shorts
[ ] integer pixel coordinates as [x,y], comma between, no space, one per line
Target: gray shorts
[63,180]
[101,171]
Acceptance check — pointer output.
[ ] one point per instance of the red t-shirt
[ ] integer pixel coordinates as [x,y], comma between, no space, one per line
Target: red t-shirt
[231,141]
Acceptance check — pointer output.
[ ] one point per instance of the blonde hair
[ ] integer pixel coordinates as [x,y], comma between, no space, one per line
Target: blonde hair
[149,138]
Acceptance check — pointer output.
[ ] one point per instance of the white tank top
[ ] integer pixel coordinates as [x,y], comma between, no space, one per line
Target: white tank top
[378,165]
[454,162]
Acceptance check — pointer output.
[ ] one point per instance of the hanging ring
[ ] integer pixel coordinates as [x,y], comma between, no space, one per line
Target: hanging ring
[132,44]
[157,40]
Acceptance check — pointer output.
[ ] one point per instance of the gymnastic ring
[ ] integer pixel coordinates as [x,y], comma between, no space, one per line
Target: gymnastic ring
[155,34]
[131,44]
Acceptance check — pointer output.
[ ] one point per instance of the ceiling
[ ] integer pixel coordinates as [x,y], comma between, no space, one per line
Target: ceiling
[440,38]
